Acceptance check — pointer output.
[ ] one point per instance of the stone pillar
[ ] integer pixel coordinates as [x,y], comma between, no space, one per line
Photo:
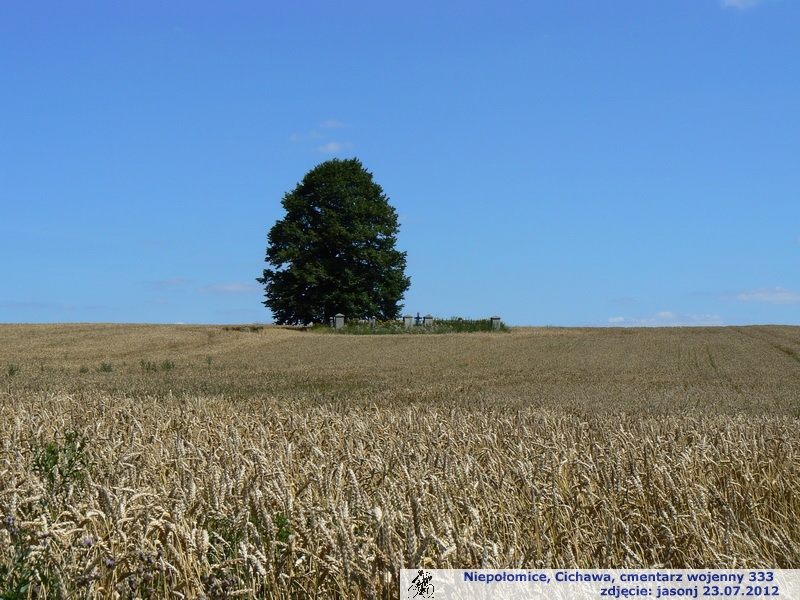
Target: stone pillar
[338,320]
[428,320]
[495,323]
[408,321]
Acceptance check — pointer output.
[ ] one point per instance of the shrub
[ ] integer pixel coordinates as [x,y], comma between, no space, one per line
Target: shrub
[451,325]
[152,366]
[63,466]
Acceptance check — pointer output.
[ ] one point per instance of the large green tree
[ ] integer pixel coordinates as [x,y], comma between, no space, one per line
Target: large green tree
[334,251]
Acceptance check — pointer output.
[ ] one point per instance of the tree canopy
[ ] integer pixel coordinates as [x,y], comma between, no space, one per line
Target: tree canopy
[334,251]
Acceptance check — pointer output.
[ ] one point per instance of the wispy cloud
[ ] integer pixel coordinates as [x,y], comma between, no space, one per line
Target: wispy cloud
[332,147]
[769,295]
[332,124]
[667,318]
[172,283]
[625,300]
[36,306]
[248,314]
[740,4]
[407,218]
[322,135]
[50,306]
[233,287]
[315,134]
[305,137]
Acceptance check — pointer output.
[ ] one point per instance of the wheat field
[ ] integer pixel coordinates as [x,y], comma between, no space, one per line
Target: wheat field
[142,461]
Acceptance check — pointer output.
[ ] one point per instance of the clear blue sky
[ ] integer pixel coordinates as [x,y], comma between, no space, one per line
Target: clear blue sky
[553,162]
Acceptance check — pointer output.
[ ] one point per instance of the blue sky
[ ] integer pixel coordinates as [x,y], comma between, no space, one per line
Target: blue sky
[553,162]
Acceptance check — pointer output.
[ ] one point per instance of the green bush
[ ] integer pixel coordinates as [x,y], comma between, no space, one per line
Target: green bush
[451,325]
[63,466]
[152,366]
[32,568]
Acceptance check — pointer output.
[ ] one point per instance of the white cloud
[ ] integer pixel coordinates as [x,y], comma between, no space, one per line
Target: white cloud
[332,124]
[667,318]
[321,136]
[233,287]
[740,4]
[47,306]
[315,134]
[175,282]
[407,218]
[624,300]
[332,147]
[247,314]
[305,137]
[770,295]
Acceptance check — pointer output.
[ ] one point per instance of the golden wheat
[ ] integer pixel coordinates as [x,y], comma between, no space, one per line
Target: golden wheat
[279,464]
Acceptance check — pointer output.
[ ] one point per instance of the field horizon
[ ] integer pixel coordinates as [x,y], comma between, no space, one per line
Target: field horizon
[731,369]
[214,461]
